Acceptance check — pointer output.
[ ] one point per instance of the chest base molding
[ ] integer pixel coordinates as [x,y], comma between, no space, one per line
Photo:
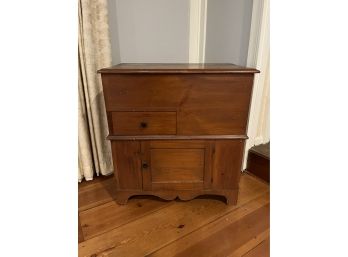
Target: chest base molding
[231,196]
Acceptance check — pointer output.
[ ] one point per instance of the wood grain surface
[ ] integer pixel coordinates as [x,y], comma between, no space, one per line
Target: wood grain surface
[148,226]
[177,68]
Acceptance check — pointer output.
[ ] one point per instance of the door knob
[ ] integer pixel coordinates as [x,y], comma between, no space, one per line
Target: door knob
[145,165]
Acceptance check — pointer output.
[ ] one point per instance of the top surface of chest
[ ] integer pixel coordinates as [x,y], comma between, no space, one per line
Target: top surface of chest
[221,68]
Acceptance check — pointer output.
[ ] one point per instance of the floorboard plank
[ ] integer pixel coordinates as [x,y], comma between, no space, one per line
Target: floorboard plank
[153,231]
[231,237]
[111,215]
[100,192]
[80,233]
[251,244]
[96,180]
[261,250]
[221,237]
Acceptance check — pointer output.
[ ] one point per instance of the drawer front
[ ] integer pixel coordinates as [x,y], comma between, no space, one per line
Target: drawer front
[143,123]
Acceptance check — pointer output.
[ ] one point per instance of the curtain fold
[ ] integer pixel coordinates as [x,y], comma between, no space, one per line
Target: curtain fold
[94,52]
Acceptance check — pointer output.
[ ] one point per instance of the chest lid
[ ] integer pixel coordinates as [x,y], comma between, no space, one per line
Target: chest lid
[177,68]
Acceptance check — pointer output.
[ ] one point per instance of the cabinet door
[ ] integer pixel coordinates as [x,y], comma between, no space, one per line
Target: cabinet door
[176,165]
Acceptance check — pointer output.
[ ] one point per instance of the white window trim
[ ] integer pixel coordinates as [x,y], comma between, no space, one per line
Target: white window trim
[197,37]
[258,57]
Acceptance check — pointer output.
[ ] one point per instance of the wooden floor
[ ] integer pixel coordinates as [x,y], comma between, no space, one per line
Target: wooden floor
[148,226]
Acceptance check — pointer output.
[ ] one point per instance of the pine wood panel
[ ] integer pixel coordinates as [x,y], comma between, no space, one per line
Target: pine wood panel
[126,161]
[176,188]
[176,165]
[227,163]
[169,165]
[158,229]
[177,144]
[142,92]
[215,105]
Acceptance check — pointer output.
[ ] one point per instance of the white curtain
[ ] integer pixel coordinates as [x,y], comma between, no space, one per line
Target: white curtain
[94,53]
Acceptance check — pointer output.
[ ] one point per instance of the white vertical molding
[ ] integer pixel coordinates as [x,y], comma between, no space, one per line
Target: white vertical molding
[266,127]
[198,21]
[258,57]
[262,135]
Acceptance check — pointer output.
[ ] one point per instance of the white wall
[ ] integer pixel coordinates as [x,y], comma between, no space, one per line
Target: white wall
[149,31]
[113,29]
[159,30]
[228,29]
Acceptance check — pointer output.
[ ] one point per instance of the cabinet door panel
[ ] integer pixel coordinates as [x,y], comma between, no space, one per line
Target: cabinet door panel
[181,165]
[172,165]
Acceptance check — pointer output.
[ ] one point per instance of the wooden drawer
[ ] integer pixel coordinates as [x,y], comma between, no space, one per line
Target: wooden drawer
[143,123]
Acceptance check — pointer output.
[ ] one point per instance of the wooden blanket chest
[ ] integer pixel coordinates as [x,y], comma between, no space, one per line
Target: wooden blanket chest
[177,130]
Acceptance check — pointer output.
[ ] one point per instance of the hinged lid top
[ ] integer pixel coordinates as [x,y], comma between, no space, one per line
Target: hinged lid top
[177,68]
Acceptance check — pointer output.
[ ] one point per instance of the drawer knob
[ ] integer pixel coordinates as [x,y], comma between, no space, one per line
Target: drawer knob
[143,124]
[145,165]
